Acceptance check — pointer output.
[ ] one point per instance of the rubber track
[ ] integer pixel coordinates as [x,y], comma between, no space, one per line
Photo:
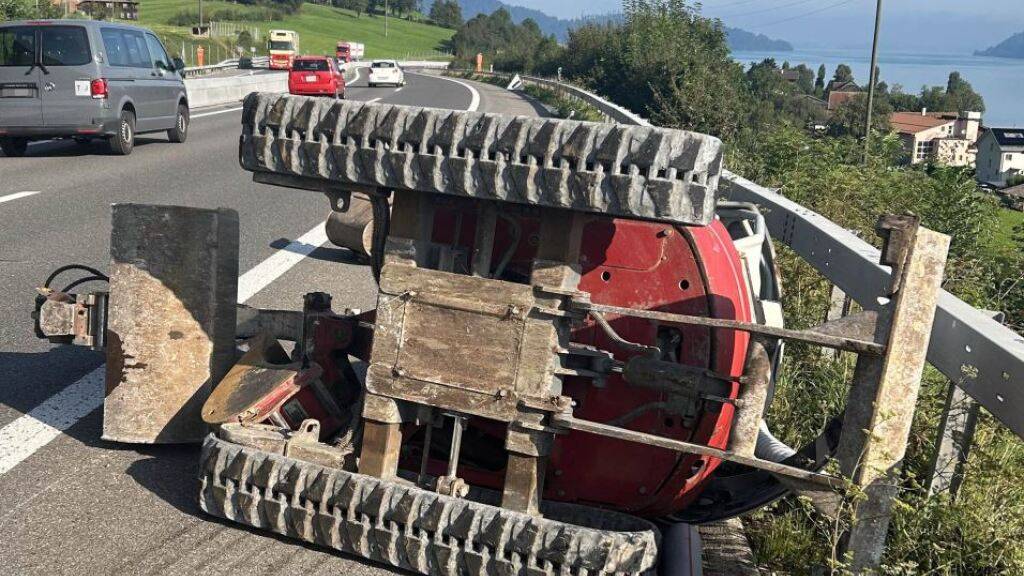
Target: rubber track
[628,171]
[412,528]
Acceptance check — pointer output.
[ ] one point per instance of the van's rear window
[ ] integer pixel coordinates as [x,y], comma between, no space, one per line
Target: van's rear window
[383,65]
[65,46]
[17,46]
[310,65]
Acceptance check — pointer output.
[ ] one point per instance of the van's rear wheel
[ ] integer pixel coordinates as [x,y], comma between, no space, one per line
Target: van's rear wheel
[179,133]
[14,147]
[123,142]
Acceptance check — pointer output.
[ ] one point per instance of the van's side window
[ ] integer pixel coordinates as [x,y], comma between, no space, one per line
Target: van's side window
[17,46]
[160,58]
[126,48]
[65,46]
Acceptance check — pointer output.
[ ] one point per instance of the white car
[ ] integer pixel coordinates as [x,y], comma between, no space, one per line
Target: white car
[386,72]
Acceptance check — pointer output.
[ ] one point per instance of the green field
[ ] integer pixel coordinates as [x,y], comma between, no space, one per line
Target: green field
[1007,220]
[319,27]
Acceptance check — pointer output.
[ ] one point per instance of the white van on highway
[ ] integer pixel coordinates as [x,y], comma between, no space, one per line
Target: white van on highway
[386,72]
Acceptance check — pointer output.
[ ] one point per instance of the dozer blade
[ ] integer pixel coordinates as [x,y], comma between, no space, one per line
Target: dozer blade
[171,319]
[399,524]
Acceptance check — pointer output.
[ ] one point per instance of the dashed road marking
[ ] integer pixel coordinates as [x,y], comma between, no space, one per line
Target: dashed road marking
[18,195]
[373,100]
[34,430]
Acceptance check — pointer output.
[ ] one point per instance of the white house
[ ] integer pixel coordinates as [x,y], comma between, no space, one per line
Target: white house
[944,137]
[1000,155]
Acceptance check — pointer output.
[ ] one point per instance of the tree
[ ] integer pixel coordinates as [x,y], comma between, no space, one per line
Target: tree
[765,81]
[678,68]
[358,6]
[446,13]
[848,118]
[244,40]
[819,83]
[27,9]
[805,82]
[522,47]
[403,7]
[843,74]
[961,95]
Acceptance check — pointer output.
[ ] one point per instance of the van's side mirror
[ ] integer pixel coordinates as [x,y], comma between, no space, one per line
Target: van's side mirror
[179,64]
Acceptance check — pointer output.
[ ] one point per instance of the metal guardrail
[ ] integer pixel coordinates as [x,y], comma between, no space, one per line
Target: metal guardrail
[977,353]
[231,64]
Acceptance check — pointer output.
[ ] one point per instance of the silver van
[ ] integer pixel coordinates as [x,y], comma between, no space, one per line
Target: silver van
[86,79]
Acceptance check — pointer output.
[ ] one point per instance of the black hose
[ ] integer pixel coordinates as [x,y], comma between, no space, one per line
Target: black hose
[81,281]
[53,275]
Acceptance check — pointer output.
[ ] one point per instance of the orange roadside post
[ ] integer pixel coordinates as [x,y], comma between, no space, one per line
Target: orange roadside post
[479,62]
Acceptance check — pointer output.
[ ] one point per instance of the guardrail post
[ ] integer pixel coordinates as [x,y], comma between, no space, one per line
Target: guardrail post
[838,307]
[882,399]
[953,443]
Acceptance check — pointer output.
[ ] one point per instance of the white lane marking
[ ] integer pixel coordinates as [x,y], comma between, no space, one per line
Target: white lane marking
[30,432]
[279,262]
[474,100]
[399,89]
[18,195]
[372,101]
[205,114]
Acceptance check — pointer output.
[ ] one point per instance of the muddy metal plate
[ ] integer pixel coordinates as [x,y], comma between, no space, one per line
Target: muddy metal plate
[452,341]
[628,171]
[171,320]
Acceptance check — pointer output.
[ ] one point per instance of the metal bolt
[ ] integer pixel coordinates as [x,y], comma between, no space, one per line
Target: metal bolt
[502,393]
[643,490]
[398,371]
[558,472]
[561,492]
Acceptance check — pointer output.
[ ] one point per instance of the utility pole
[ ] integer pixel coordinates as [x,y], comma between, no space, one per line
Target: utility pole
[873,80]
[200,16]
[385,18]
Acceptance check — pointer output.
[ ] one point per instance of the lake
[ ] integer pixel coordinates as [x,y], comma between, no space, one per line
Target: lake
[999,80]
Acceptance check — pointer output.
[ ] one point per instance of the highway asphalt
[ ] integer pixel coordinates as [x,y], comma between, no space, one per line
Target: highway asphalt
[71,503]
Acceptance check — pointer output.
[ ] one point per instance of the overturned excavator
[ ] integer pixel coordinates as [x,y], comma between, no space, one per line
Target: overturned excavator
[574,342]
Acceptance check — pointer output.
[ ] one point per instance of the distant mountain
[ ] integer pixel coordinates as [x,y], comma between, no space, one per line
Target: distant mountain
[738,39]
[1012,47]
[743,41]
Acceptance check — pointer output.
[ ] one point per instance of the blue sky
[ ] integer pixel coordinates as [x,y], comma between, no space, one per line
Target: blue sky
[934,26]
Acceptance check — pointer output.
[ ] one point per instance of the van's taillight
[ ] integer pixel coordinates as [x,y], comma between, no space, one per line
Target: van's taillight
[98,88]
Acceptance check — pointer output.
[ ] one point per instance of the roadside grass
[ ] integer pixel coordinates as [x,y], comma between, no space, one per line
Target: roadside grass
[319,27]
[1008,219]
[977,533]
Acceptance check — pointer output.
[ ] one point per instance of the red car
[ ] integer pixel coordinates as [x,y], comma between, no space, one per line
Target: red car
[316,76]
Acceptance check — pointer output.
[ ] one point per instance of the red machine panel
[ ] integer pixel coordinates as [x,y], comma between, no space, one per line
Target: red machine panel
[652,266]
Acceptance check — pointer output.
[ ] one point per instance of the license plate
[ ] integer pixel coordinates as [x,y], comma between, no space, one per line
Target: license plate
[310,78]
